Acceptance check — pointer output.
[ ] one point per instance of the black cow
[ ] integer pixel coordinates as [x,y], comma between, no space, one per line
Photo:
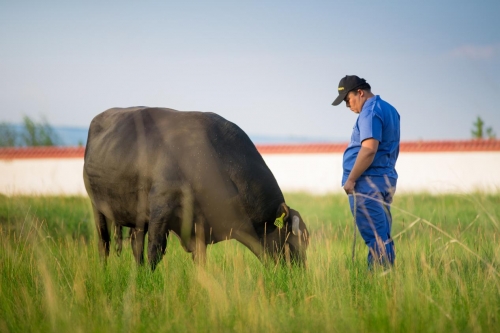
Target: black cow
[193,173]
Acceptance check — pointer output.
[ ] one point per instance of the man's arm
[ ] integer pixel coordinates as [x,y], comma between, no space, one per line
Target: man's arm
[363,161]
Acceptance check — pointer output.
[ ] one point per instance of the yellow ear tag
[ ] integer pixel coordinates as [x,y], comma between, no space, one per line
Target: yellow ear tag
[279,221]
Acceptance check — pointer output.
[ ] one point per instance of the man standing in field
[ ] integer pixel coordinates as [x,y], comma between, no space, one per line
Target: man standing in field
[369,165]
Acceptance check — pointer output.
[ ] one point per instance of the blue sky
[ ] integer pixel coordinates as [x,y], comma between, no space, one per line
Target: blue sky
[272,67]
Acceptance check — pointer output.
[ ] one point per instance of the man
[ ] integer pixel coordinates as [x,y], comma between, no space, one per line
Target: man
[369,165]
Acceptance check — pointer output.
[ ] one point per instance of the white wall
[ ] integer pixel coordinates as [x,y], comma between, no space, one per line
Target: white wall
[55,176]
[443,172]
[449,172]
[314,173]
[452,172]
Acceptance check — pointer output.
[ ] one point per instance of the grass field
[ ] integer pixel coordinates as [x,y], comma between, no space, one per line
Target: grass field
[446,276]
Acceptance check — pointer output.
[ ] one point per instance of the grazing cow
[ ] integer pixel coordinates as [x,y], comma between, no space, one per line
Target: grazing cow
[158,170]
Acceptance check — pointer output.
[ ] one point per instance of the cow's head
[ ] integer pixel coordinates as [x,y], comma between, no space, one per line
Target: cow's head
[290,238]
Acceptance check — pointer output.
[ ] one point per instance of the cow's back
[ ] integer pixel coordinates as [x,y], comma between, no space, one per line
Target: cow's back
[130,150]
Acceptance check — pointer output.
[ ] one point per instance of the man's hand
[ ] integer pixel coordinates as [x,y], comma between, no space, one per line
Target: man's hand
[349,186]
[363,161]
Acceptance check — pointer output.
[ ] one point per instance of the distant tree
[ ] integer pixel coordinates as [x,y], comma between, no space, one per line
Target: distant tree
[490,133]
[477,131]
[38,134]
[9,137]
[32,134]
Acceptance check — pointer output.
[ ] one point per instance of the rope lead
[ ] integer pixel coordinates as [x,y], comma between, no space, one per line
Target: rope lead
[354,241]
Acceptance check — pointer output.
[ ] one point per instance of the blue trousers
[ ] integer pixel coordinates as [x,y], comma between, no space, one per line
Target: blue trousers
[370,205]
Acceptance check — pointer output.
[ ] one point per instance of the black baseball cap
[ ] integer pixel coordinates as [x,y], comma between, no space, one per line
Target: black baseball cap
[347,84]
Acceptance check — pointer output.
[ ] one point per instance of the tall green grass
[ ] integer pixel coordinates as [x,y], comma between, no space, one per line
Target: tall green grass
[446,276]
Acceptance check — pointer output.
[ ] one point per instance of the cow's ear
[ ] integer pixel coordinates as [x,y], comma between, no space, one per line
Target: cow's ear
[283,209]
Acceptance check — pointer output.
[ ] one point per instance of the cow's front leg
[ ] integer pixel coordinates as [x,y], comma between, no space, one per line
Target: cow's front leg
[157,241]
[163,203]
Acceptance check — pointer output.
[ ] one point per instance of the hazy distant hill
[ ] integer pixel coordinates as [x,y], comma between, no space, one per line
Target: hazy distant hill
[260,139]
[74,136]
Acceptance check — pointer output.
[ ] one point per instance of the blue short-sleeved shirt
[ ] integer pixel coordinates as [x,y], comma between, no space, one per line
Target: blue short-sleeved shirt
[379,120]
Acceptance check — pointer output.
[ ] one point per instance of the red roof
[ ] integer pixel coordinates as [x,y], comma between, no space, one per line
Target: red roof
[405,147]
[449,146]
[320,148]
[315,148]
[41,152]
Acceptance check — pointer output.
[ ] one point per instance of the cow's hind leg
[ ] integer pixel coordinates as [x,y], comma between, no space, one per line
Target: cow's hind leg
[118,236]
[137,241]
[200,249]
[102,233]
